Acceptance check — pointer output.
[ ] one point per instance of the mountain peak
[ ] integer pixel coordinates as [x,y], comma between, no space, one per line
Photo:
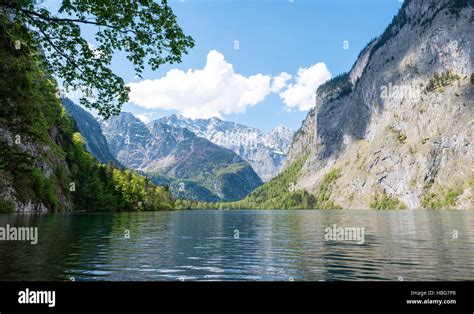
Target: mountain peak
[253,145]
[281,128]
[158,128]
[172,154]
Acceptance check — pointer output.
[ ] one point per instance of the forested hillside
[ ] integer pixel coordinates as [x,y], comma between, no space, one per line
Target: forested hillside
[44,165]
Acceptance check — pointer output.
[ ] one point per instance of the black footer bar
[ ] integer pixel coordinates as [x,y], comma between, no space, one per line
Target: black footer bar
[351,297]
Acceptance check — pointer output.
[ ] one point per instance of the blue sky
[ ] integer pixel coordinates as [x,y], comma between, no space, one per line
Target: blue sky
[274,36]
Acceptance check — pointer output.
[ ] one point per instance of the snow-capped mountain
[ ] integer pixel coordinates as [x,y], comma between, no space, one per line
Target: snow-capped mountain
[265,152]
[192,166]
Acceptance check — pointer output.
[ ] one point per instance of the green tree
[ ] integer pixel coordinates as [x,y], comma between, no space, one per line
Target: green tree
[145,30]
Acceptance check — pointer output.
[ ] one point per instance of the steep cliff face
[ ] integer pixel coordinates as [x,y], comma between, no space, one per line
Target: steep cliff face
[399,126]
[33,169]
[90,129]
[127,138]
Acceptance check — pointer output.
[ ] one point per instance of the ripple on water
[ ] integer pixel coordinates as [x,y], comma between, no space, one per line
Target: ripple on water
[272,245]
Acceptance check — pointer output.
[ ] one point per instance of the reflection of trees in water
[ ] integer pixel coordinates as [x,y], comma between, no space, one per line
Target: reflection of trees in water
[61,239]
[19,260]
[414,245]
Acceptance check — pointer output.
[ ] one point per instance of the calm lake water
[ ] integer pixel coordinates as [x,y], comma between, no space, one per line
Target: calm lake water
[241,245]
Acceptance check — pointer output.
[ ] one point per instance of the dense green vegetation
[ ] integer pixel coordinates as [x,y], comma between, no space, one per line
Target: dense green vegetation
[280,193]
[443,200]
[6,206]
[323,200]
[186,189]
[211,177]
[384,201]
[42,159]
[104,187]
[146,31]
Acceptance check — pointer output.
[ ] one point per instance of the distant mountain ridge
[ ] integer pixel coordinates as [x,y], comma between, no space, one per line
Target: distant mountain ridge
[265,152]
[192,166]
[90,129]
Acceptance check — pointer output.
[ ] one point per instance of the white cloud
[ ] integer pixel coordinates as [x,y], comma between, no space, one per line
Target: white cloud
[279,82]
[217,89]
[144,117]
[301,94]
[96,52]
[202,93]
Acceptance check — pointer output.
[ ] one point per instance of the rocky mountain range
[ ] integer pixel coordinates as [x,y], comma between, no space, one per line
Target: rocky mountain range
[265,152]
[398,128]
[396,131]
[192,166]
[187,154]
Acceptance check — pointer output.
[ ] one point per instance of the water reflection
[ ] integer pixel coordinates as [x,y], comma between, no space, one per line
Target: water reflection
[242,245]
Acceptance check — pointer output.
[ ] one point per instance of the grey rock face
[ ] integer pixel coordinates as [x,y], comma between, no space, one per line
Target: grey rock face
[194,167]
[127,138]
[406,127]
[265,152]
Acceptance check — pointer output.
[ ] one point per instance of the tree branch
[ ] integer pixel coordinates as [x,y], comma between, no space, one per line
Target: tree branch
[58,20]
[55,47]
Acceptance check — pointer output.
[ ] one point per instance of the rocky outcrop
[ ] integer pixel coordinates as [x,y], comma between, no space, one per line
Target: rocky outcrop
[22,156]
[400,123]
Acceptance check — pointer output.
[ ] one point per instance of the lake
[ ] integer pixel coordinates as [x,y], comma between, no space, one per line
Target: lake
[242,245]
